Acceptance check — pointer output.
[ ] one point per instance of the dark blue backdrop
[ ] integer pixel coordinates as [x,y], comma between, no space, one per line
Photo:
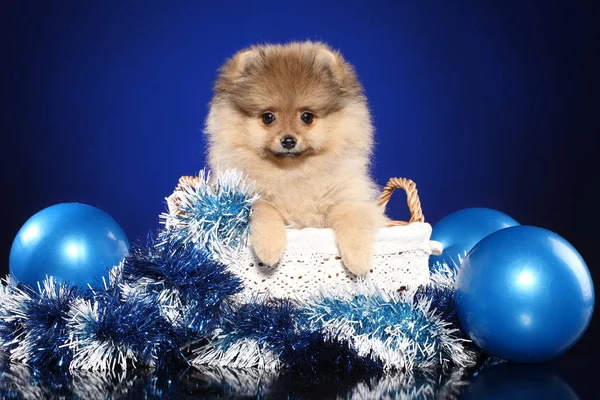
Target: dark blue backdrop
[481,105]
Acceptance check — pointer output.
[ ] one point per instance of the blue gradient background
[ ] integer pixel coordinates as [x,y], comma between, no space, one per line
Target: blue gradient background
[490,105]
[481,105]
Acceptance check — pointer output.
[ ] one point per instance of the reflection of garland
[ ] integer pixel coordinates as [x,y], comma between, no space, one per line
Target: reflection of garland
[19,381]
[174,301]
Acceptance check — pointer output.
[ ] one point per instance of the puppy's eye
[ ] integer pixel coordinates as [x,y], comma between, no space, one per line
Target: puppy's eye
[268,118]
[307,117]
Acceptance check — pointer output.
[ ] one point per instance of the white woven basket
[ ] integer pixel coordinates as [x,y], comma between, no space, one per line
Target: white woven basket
[312,263]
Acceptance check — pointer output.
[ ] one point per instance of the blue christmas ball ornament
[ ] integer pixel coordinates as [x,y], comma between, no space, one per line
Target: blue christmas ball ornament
[524,294]
[460,231]
[75,243]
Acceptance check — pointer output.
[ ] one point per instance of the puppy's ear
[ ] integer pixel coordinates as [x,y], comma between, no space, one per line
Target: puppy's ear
[333,62]
[245,60]
[237,67]
[326,58]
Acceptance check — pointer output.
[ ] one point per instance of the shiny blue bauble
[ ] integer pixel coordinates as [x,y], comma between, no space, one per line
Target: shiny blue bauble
[75,243]
[518,382]
[524,294]
[460,231]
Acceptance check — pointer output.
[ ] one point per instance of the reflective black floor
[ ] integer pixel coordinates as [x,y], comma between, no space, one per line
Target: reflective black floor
[499,381]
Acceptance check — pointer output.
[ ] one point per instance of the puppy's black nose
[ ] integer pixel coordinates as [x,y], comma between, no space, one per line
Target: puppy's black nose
[288,142]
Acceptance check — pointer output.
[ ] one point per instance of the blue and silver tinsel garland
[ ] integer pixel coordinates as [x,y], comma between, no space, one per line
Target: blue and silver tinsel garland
[173,302]
[212,212]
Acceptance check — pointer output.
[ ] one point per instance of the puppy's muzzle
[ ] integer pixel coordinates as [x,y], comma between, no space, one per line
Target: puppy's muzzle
[288,142]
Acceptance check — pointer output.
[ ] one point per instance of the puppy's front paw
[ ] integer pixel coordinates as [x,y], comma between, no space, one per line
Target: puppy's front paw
[357,257]
[267,234]
[268,248]
[355,225]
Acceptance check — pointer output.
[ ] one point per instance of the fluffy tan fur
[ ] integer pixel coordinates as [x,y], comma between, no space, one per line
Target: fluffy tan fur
[325,181]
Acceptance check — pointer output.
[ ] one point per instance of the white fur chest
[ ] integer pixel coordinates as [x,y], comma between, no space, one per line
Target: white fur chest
[304,193]
[302,201]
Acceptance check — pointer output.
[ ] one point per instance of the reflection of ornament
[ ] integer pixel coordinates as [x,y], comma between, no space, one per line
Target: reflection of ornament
[515,381]
[74,243]
[524,294]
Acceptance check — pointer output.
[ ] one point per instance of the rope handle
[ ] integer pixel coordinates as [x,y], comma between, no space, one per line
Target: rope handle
[187,181]
[412,199]
[412,196]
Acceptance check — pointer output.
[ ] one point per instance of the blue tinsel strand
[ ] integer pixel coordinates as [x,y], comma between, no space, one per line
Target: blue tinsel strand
[214,215]
[268,321]
[402,332]
[368,315]
[441,299]
[121,330]
[192,284]
[45,331]
[439,293]
[13,310]
[444,274]
[313,351]
[274,323]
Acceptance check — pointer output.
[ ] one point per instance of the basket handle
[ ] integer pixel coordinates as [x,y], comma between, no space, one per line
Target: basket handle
[412,196]
[187,181]
[412,199]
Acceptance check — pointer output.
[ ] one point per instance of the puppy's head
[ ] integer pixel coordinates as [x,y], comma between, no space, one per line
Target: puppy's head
[287,103]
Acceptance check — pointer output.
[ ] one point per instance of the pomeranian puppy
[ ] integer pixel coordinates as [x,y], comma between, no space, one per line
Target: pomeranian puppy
[295,119]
